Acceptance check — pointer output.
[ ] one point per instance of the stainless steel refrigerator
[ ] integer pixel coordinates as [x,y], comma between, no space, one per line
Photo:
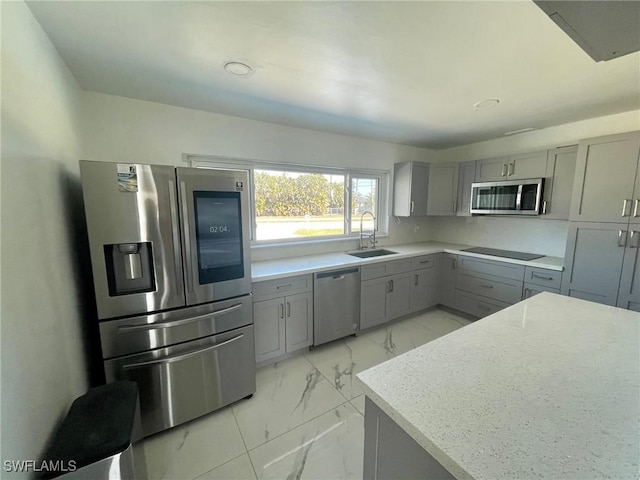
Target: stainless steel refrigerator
[172,279]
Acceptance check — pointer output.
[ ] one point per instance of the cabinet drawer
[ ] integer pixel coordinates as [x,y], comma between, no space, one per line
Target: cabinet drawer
[478,306]
[375,270]
[490,267]
[424,261]
[281,286]
[530,289]
[501,289]
[399,266]
[543,277]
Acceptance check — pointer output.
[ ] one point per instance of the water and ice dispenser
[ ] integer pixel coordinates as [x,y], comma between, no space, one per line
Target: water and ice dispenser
[129,268]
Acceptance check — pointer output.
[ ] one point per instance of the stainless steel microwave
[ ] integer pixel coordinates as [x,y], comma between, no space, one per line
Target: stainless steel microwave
[512,197]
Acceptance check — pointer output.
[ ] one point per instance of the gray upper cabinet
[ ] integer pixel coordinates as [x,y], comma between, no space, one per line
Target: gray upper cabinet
[410,182]
[424,189]
[603,189]
[442,189]
[561,167]
[466,177]
[512,167]
[594,258]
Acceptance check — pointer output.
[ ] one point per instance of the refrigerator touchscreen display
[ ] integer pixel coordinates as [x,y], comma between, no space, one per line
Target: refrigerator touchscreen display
[218,236]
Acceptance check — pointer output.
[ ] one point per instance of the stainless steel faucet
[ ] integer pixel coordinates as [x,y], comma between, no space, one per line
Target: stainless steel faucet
[372,235]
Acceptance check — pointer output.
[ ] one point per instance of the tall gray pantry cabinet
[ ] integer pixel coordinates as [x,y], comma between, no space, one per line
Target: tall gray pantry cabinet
[604,230]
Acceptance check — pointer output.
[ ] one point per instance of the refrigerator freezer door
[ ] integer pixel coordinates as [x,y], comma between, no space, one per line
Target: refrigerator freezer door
[127,206]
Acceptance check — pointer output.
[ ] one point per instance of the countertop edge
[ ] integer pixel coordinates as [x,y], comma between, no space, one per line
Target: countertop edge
[331,261]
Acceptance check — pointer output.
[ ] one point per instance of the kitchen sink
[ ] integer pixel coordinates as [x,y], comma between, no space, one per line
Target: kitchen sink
[372,253]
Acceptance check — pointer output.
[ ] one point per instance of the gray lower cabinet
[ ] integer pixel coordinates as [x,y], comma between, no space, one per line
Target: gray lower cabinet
[392,289]
[391,454]
[447,280]
[629,293]
[594,259]
[282,316]
[483,287]
[531,289]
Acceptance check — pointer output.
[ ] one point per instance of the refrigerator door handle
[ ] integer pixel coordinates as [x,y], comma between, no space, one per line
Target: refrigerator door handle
[187,238]
[182,356]
[175,235]
[177,323]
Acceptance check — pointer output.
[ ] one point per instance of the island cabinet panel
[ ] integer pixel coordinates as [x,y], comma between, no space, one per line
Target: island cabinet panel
[391,454]
[594,258]
[603,189]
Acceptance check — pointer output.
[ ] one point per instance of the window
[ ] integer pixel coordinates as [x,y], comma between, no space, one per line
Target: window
[292,203]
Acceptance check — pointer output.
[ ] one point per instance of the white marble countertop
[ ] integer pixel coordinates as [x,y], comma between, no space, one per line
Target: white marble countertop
[547,388]
[284,267]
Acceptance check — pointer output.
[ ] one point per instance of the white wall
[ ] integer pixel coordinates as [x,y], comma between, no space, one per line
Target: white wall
[123,129]
[534,235]
[43,361]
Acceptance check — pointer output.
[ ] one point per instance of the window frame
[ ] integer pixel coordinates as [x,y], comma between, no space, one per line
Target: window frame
[383,200]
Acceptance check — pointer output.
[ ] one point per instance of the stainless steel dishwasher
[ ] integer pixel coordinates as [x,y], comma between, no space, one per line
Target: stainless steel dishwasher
[336,304]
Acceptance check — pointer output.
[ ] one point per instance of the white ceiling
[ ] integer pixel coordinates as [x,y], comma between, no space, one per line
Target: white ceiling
[404,72]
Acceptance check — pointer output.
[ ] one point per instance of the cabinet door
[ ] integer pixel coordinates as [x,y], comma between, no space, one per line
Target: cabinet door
[594,256]
[605,175]
[399,295]
[447,281]
[629,293]
[530,289]
[528,165]
[410,181]
[466,176]
[424,289]
[443,189]
[491,169]
[561,169]
[299,321]
[269,328]
[373,302]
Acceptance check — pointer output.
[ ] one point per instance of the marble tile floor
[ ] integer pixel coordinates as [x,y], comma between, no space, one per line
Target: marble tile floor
[305,420]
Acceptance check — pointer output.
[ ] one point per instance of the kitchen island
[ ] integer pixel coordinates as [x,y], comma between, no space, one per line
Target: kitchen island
[547,388]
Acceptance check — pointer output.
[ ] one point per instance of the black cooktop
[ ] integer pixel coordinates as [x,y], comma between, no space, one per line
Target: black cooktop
[503,253]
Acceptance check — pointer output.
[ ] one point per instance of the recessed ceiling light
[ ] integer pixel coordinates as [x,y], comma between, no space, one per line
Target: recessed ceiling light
[486,103]
[238,68]
[522,130]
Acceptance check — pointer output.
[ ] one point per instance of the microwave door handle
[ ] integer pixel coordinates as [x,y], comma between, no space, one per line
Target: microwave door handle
[519,198]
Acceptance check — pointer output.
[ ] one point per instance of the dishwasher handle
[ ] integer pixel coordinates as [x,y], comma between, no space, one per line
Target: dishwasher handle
[337,274]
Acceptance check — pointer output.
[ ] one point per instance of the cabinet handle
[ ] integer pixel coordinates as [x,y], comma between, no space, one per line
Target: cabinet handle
[288,309]
[511,169]
[390,286]
[624,207]
[635,208]
[412,205]
[283,286]
[484,285]
[454,263]
[541,277]
[622,238]
[425,261]
[504,170]
[281,308]
[544,207]
[527,293]
[415,282]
